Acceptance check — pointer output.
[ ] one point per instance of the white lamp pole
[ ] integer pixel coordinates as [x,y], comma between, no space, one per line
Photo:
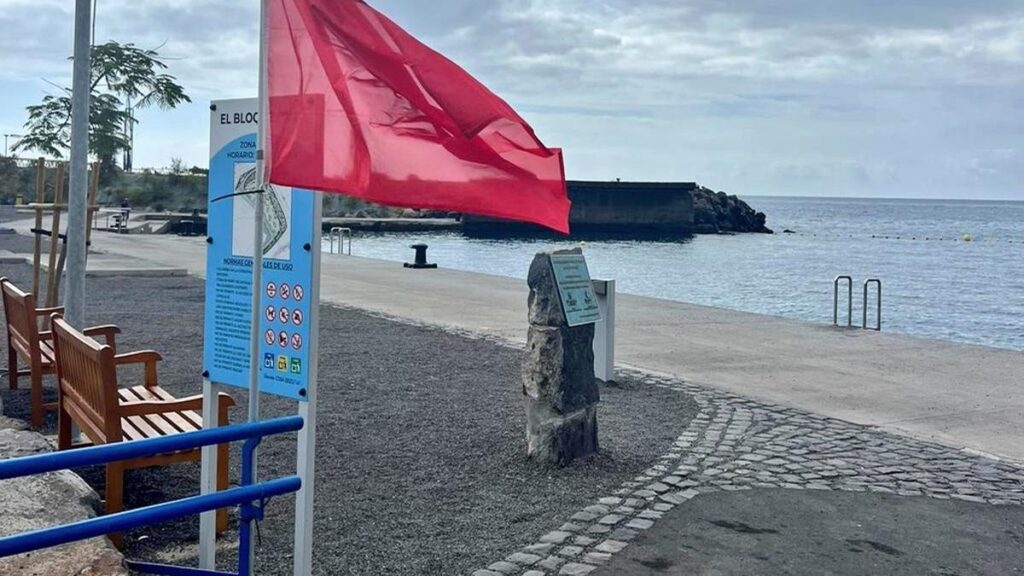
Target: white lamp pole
[74,296]
[6,136]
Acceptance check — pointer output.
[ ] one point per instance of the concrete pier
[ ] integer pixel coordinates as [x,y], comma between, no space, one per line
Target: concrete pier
[961,395]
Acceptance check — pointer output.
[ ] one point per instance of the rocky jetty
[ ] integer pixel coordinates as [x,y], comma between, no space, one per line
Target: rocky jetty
[718,212]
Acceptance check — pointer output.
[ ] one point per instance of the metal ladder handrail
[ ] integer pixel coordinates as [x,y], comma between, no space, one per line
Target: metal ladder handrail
[849,301]
[878,312]
[341,233]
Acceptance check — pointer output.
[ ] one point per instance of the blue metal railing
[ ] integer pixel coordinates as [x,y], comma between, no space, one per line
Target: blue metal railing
[250,497]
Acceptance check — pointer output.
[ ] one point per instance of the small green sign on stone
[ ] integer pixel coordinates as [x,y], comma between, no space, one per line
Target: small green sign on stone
[579,302]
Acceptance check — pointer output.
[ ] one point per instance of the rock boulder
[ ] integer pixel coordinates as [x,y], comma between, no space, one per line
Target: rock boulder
[718,212]
[45,500]
[558,374]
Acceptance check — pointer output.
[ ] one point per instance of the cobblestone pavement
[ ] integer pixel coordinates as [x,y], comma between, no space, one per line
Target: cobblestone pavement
[736,443]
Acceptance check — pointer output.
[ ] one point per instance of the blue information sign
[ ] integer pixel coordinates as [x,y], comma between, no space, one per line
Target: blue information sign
[290,234]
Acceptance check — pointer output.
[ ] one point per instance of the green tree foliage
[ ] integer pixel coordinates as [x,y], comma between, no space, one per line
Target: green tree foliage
[124,78]
[49,126]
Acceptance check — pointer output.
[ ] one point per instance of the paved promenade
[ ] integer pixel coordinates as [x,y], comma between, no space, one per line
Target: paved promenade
[961,395]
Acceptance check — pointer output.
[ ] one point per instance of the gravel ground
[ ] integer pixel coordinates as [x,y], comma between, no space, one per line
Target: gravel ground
[420,466]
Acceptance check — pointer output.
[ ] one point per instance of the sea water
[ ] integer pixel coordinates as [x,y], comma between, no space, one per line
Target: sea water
[935,284]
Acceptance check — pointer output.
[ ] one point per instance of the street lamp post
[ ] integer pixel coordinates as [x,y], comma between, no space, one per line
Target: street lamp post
[74,293]
[6,136]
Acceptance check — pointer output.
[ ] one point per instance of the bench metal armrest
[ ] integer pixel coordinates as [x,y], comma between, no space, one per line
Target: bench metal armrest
[160,406]
[147,357]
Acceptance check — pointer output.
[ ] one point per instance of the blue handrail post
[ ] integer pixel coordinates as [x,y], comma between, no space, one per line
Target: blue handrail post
[249,511]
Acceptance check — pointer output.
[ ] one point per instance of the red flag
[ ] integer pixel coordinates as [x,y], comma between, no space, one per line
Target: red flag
[360,107]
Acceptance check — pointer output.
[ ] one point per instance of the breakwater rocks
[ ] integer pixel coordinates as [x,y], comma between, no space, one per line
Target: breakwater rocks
[718,212]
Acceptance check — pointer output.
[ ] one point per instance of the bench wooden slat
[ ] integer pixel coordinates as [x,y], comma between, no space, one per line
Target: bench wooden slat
[167,422]
[192,417]
[164,424]
[130,432]
[140,424]
[46,352]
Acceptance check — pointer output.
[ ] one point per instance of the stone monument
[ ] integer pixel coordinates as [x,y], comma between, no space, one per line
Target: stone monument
[558,375]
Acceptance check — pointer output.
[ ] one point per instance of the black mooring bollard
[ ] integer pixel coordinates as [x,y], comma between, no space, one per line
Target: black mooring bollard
[421,258]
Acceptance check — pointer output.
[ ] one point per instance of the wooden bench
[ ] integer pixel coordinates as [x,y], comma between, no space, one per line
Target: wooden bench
[90,397]
[33,346]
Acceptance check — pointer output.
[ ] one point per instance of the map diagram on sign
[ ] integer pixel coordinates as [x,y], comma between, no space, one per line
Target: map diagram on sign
[277,209]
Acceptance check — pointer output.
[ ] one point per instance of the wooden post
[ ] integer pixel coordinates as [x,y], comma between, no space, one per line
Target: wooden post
[58,197]
[40,198]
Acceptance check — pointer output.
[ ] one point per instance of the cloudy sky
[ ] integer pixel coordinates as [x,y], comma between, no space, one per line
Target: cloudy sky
[907,98]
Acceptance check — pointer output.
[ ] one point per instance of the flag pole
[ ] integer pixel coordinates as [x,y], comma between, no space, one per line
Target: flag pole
[257,256]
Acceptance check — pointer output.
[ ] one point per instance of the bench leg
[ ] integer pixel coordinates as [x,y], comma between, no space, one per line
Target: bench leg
[36,394]
[222,465]
[12,365]
[115,497]
[222,485]
[63,428]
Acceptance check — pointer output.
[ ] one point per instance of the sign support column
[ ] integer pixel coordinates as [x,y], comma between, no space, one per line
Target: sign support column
[208,479]
[307,410]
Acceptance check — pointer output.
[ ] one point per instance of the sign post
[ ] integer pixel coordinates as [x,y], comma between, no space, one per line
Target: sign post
[286,298]
[604,331]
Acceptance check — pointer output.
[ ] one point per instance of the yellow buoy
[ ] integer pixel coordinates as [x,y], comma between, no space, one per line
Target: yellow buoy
[968,238]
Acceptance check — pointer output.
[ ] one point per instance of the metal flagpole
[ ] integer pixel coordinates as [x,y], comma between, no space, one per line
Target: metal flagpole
[257,256]
[74,298]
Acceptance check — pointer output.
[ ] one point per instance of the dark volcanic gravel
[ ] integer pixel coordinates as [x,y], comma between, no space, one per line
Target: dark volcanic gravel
[420,455]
